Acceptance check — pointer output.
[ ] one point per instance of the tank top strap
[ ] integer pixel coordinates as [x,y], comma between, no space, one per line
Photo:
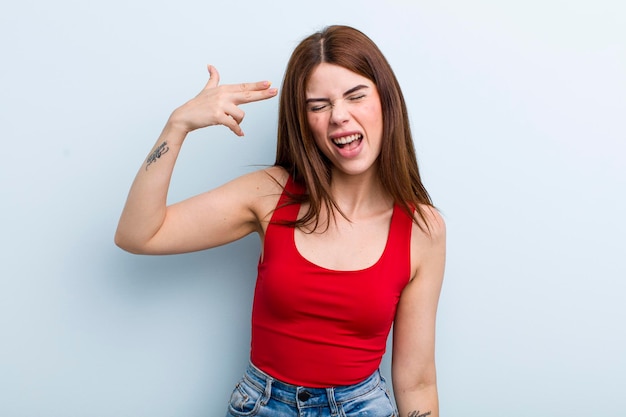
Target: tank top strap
[398,249]
[286,211]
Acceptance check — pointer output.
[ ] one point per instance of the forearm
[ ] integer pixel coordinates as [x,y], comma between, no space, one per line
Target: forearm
[145,208]
[418,402]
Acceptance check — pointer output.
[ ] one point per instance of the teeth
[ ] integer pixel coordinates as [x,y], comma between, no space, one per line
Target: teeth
[347,139]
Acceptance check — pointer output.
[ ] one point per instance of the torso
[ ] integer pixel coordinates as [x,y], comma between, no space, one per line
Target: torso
[327,297]
[346,246]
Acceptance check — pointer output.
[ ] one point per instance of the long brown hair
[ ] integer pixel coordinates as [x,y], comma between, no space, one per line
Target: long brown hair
[296,148]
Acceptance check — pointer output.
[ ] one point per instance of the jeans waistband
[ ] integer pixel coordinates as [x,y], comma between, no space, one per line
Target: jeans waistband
[306,396]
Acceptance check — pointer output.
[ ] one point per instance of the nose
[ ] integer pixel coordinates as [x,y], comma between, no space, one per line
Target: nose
[339,113]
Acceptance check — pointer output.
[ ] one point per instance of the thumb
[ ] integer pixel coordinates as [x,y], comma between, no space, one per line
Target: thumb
[214,77]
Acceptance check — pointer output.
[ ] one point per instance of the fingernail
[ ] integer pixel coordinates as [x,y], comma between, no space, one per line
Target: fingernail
[273,91]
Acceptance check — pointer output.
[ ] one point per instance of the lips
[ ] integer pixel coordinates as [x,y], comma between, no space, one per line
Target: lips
[342,141]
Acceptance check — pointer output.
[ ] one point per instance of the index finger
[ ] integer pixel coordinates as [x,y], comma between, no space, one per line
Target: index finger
[249,92]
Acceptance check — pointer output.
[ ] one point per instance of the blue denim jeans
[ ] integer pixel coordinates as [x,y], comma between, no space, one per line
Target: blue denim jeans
[258,394]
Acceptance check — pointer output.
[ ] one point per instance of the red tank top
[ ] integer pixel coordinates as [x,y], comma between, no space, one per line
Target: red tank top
[317,327]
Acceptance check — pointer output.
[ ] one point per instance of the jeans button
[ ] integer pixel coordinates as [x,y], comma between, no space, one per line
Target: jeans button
[304,395]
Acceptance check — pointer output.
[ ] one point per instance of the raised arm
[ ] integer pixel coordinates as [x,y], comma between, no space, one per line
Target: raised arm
[217,217]
[413,358]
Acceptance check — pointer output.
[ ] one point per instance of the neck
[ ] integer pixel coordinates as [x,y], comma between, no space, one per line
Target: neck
[359,195]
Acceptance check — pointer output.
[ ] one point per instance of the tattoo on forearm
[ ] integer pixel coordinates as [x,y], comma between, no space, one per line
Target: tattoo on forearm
[417,414]
[160,150]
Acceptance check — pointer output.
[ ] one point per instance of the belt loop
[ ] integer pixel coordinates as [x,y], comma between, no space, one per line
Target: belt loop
[334,410]
[268,390]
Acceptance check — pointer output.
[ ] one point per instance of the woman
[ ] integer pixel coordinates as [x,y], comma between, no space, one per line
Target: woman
[351,241]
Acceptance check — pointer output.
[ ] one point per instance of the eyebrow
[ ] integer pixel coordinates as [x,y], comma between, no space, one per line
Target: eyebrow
[347,93]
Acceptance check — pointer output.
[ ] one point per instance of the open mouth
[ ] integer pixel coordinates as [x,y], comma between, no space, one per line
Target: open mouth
[347,140]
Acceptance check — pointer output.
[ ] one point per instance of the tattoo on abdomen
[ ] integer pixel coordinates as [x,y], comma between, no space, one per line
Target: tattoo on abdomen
[160,150]
[417,414]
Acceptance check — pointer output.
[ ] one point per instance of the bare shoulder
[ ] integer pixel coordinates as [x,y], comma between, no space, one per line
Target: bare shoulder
[263,181]
[428,241]
[265,186]
[432,227]
[248,198]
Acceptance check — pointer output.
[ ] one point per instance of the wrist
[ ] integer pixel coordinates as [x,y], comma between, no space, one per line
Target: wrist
[174,131]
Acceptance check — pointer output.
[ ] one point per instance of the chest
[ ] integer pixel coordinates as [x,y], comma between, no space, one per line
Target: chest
[346,245]
[350,274]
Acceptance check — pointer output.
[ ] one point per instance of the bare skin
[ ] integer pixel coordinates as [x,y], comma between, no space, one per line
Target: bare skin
[243,206]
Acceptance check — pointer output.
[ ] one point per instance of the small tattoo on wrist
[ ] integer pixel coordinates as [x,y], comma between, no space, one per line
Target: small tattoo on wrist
[160,150]
[417,414]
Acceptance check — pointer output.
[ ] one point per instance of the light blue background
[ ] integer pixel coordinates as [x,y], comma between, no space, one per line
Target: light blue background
[519,113]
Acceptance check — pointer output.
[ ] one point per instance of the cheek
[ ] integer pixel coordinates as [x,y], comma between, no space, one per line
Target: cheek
[317,126]
[376,111]
[316,123]
[374,116]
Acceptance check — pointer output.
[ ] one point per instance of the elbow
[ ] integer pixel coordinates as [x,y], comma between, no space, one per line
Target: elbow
[128,244]
[121,243]
[418,384]
[411,380]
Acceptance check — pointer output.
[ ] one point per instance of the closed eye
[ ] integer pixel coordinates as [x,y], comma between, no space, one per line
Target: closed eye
[356,97]
[319,107]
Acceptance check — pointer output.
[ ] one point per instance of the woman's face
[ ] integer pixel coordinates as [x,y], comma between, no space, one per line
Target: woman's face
[345,116]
